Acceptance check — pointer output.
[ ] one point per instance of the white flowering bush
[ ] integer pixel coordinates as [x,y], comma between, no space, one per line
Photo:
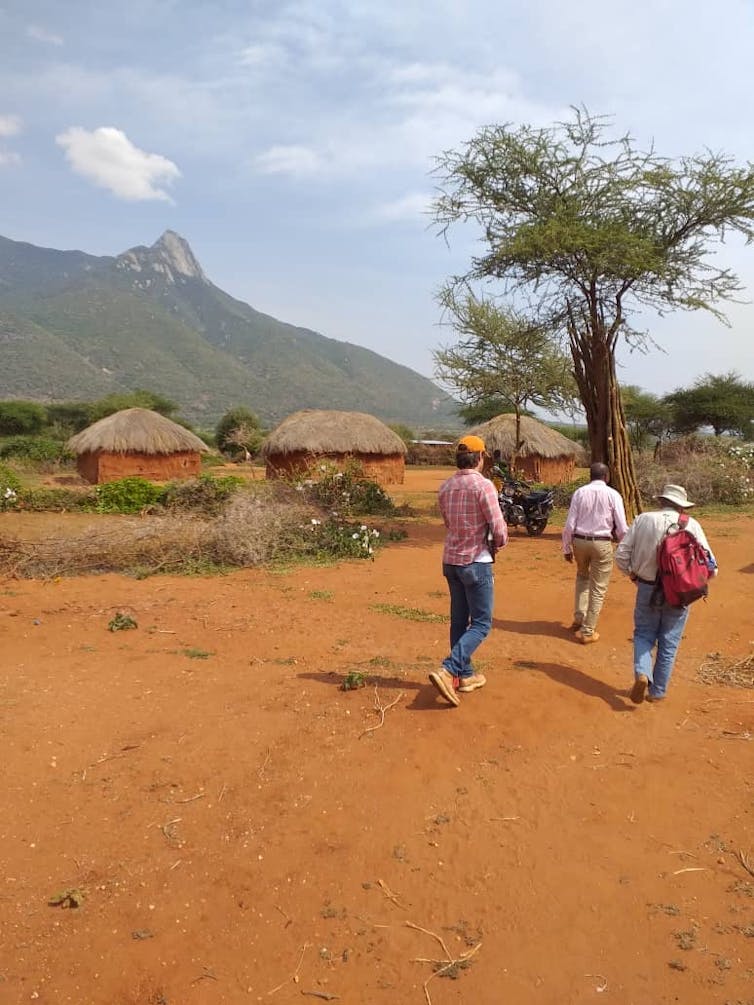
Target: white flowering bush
[347,491]
[10,487]
[711,469]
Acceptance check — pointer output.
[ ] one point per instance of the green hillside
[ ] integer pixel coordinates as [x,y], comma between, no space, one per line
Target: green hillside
[76,326]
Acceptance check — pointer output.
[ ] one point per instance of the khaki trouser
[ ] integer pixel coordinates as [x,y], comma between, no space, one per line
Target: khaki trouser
[594,565]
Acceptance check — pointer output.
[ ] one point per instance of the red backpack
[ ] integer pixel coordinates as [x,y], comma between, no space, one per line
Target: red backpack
[682,569]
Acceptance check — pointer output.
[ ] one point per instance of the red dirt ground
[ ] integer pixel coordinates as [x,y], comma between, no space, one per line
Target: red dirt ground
[238,837]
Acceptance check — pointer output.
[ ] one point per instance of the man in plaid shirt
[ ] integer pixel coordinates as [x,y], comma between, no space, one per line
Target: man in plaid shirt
[475,531]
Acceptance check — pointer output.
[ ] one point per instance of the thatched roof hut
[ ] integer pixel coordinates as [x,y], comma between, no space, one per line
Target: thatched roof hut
[312,437]
[136,441]
[545,455]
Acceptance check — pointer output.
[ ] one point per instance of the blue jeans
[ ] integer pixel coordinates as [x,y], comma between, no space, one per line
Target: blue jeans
[472,589]
[662,626]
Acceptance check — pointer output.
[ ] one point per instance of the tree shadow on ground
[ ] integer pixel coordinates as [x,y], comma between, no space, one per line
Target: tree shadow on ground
[579,681]
[550,629]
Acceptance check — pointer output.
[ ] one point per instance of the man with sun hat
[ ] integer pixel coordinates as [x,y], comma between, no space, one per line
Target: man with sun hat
[475,531]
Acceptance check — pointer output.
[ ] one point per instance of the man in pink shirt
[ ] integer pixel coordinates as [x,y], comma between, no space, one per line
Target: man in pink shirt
[596,518]
[475,531]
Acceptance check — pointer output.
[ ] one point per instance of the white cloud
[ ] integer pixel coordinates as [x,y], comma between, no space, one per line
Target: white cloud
[290,160]
[9,159]
[108,158]
[413,207]
[43,35]
[9,125]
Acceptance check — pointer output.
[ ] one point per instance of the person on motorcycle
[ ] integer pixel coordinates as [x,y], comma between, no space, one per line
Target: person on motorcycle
[476,529]
[596,518]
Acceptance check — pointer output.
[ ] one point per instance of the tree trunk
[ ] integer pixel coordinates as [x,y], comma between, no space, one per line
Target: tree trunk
[594,369]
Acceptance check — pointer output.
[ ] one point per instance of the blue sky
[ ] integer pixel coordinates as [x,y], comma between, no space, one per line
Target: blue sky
[292,143]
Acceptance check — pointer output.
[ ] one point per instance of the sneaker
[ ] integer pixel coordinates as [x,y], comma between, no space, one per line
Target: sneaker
[587,639]
[639,690]
[655,698]
[476,680]
[445,684]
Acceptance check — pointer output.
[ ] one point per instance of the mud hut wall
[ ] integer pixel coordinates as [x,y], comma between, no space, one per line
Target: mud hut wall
[107,467]
[548,470]
[385,469]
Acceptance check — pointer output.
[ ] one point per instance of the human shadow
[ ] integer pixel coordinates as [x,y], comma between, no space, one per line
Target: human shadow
[748,568]
[550,629]
[579,681]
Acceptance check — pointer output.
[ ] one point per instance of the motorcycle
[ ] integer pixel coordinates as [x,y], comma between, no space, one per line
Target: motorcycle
[523,506]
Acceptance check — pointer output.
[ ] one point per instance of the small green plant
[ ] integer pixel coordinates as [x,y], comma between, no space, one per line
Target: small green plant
[197,654]
[353,681]
[409,613]
[321,595]
[127,495]
[121,623]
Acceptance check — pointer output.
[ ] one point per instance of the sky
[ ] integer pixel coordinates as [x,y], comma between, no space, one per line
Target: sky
[293,142]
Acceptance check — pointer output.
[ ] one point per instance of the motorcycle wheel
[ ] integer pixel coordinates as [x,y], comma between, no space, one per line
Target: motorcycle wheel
[535,527]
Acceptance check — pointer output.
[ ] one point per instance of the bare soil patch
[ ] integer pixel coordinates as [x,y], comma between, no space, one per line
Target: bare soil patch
[234,829]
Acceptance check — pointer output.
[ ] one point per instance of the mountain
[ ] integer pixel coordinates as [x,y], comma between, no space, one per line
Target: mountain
[77,327]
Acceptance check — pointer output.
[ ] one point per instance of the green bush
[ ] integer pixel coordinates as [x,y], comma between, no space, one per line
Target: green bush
[10,486]
[127,495]
[206,494]
[562,493]
[346,492]
[34,448]
[59,500]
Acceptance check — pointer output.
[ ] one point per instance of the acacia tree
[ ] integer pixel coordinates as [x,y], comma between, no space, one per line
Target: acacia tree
[594,228]
[503,355]
[725,402]
[646,415]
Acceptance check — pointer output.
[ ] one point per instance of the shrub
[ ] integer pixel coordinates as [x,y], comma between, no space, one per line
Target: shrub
[57,500]
[346,492]
[711,469]
[127,495]
[205,494]
[10,486]
[34,448]
[562,493]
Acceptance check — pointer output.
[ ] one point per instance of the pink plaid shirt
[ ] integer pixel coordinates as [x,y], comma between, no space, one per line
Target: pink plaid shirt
[469,506]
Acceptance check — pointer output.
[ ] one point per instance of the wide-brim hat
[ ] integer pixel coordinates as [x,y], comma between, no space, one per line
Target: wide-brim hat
[675,494]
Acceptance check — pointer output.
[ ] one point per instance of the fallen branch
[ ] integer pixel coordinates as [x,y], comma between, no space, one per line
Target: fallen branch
[379,707]
[389,893]
[442,966]
[294,975]
[745,862]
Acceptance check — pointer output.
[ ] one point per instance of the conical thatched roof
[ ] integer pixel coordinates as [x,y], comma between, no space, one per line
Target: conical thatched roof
[537,440]
[317,431]
[135,430]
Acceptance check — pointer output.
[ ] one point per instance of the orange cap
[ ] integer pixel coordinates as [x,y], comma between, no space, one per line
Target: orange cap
[472,443]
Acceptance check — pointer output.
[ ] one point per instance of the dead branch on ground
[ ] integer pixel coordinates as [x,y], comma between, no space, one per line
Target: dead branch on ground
[381,709]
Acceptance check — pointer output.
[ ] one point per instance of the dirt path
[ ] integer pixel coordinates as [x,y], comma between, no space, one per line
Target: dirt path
[209,789]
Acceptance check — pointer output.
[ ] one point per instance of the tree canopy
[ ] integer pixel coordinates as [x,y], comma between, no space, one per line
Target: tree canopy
[239,430]
[725,402]
[503,355]
[592,229]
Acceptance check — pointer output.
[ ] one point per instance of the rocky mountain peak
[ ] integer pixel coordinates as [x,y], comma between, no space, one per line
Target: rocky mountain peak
[170,255]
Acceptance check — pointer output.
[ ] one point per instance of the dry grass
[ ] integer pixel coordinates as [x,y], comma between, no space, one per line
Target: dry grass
[251,531]
[717,669]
